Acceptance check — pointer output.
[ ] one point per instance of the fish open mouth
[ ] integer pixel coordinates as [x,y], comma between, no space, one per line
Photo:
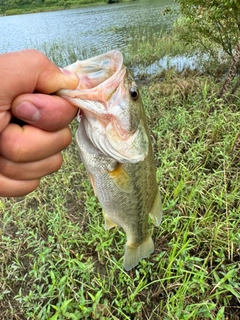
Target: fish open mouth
[102,112]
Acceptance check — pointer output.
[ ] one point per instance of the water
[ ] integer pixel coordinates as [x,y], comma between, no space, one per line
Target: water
[99,27]
[179,62]
[68,35]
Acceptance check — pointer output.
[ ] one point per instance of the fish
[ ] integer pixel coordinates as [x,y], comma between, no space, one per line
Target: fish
[115,147]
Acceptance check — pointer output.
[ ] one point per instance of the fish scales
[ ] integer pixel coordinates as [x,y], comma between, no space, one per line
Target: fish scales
[116,150]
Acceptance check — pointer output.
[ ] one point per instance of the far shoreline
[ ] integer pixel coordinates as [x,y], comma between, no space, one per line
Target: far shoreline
[19,11]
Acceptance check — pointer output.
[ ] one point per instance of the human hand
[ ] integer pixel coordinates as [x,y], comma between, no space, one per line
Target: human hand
[32,151]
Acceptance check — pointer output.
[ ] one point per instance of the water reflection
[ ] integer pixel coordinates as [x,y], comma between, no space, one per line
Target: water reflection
[179,62]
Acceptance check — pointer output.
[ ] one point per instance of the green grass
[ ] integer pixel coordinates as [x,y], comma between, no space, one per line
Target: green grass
[57,261]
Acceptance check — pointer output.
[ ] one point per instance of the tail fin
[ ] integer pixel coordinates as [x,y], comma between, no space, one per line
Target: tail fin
[133,255]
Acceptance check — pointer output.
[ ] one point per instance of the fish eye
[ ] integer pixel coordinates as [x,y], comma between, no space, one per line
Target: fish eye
[134,93]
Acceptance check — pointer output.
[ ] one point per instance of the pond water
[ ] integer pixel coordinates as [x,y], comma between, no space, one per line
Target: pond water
[95,29]
[100,27]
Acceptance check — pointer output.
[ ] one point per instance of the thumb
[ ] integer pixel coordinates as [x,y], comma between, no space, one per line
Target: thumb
[54,79]
[50,78]
[28,71]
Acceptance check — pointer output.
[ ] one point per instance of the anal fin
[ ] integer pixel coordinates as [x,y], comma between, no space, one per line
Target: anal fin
[108,222]
[156,210]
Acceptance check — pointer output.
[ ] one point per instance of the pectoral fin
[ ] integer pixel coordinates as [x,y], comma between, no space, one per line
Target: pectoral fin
[121,178]
[156,210]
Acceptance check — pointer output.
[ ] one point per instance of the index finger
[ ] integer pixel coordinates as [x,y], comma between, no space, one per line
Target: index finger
[27,143]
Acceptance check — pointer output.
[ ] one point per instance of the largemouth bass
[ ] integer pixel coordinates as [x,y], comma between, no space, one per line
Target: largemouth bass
[115,148]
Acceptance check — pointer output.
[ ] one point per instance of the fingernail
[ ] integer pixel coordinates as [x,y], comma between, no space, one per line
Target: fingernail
[27,111]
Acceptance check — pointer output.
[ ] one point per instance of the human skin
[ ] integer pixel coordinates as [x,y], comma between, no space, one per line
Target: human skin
[32,150]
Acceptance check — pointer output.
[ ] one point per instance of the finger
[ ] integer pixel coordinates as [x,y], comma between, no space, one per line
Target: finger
[41,75]
[47,112]
[30,170]
[16,188]
[29,144]
[5,117]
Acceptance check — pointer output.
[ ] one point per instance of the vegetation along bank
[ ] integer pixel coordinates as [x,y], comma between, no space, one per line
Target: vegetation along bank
[28,6]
